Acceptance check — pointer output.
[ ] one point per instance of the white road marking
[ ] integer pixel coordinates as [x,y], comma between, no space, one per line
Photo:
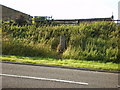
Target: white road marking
[48,79]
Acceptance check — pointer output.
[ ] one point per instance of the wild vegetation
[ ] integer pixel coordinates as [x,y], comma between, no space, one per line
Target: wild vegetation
[95,41]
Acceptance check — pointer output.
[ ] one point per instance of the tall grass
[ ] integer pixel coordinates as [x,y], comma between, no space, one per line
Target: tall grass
[90,41]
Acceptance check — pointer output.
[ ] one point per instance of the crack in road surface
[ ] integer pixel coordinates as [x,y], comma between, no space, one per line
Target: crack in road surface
[48,79]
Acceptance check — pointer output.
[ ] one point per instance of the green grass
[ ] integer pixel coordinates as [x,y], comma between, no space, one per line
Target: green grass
[61,62]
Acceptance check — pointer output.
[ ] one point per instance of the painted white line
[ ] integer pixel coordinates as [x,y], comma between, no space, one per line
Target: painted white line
[48,79]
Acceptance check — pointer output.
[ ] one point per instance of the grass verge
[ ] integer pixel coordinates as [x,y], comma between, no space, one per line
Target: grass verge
[62,62]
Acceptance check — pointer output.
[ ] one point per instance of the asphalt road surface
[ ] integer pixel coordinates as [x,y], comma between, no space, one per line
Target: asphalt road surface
[28,76]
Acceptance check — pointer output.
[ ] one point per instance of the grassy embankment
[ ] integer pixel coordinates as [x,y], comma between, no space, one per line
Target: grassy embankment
[90,45]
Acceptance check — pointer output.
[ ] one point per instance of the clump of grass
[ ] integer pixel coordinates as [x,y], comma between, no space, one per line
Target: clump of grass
[30,49]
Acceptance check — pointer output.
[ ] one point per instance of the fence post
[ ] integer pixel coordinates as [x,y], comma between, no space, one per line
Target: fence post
[62,44]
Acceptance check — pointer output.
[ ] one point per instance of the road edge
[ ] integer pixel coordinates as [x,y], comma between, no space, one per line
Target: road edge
[66,67]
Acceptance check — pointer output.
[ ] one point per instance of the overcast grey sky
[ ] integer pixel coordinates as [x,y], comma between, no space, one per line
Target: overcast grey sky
[66,9]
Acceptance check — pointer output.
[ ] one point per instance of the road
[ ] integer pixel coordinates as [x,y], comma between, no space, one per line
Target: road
[29,76]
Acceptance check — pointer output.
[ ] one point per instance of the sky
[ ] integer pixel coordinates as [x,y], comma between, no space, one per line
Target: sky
[66,9]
